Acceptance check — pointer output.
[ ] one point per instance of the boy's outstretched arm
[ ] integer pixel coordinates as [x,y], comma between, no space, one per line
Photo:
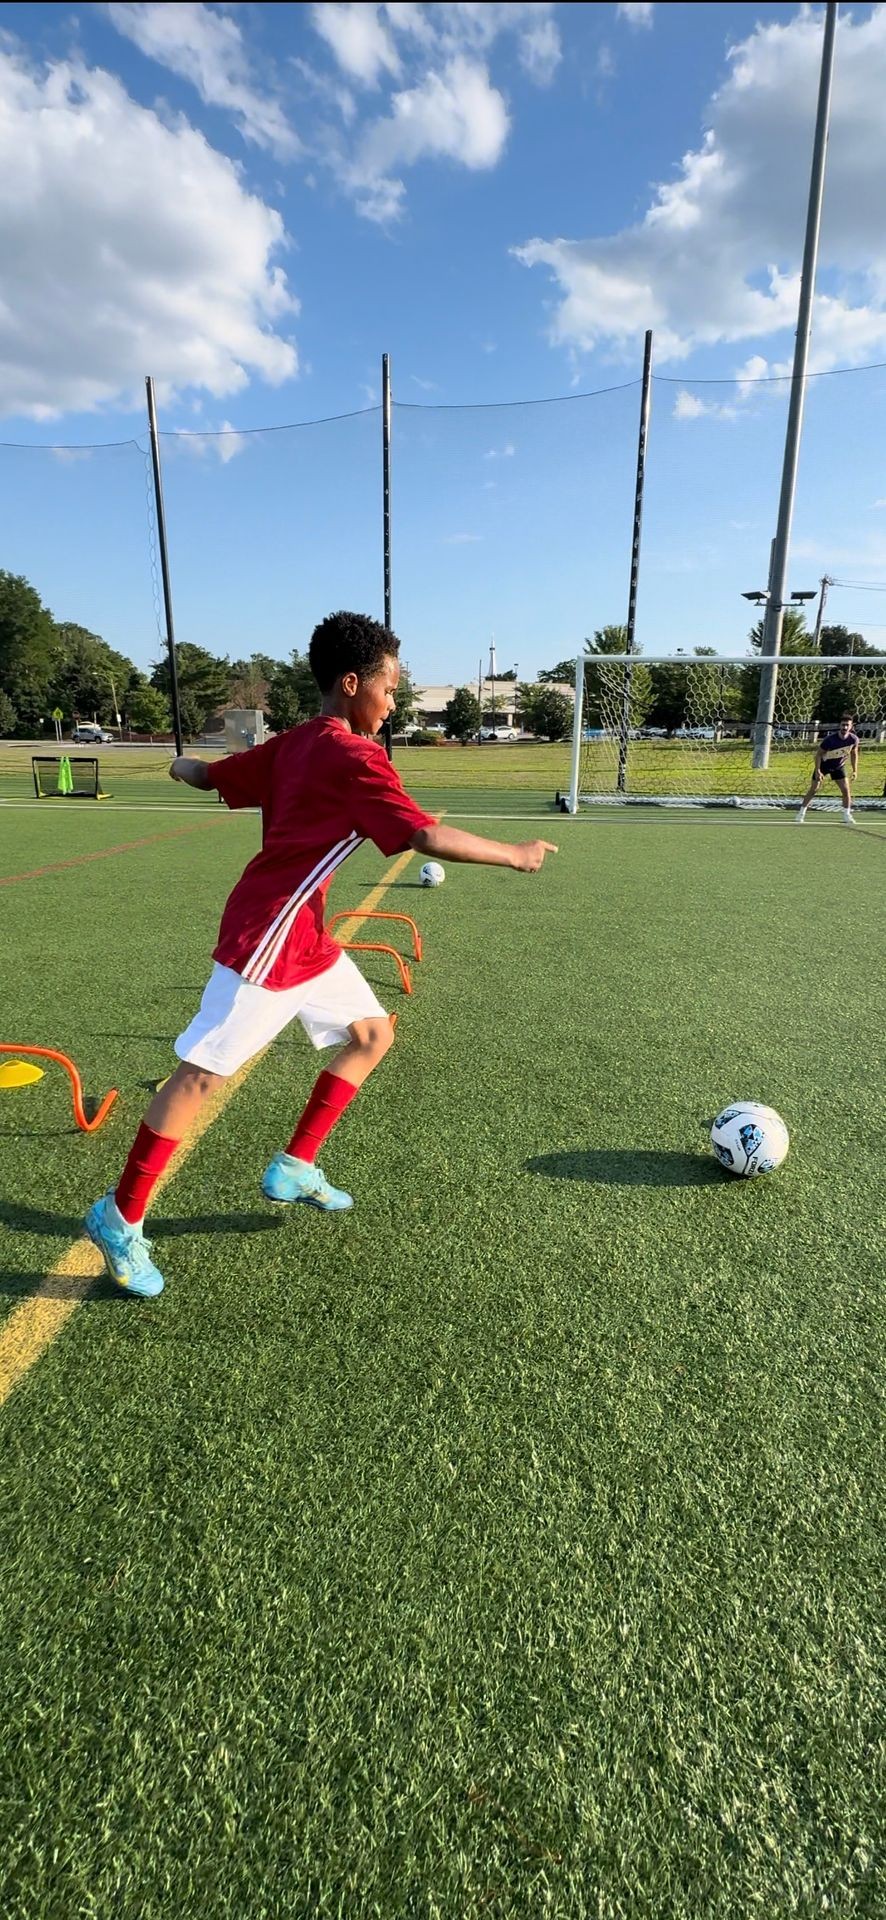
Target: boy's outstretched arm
[194,773]
[449,843]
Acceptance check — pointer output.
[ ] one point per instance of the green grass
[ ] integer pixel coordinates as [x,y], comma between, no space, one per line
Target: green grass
[513,1546]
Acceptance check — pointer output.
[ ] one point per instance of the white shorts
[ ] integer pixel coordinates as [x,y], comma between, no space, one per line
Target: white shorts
[236,1019]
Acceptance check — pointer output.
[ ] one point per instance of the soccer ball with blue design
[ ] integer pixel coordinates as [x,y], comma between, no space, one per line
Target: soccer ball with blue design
[432,874]
[749,1139]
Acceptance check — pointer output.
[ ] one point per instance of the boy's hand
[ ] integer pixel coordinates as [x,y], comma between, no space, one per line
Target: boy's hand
[531,853]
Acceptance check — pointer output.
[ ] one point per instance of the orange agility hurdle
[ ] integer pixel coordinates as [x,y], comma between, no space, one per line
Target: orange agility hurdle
[416,936]
[50,1053]
[374,946]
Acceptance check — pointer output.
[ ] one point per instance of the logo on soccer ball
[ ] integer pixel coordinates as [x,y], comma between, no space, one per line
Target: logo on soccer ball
[751,1137]
[723,1154]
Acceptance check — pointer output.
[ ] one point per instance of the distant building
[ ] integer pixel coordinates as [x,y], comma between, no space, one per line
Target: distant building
[431,703]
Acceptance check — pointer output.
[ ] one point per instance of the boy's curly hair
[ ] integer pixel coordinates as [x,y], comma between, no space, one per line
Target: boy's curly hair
[349,643]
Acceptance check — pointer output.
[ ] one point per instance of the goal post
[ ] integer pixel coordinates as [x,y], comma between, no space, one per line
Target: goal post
[681,730]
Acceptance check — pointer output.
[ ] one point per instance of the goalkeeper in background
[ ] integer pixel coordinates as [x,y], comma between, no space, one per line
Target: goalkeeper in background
[830,758]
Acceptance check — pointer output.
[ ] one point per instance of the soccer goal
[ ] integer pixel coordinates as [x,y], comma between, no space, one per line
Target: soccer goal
[58,777]
[703,730]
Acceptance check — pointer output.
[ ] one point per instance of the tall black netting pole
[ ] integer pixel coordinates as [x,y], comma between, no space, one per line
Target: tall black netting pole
[624,732]
[164,565]
[388,731]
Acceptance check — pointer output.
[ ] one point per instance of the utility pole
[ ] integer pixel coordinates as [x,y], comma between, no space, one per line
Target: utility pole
[824,583]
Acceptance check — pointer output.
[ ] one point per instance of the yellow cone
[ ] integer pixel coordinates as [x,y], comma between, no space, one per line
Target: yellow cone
[19,1073]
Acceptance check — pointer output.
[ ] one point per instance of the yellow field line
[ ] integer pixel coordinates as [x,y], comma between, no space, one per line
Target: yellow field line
[35,1322]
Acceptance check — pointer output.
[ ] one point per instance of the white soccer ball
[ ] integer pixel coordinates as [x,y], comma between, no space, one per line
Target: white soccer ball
[749,1138]
[432,874]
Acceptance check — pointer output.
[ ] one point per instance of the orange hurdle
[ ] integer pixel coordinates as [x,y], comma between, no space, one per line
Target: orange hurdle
[50,1053]
[416,936]
[373,946]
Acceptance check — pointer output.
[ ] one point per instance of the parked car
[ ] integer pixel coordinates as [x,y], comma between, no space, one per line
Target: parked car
[88,735]
[499,733]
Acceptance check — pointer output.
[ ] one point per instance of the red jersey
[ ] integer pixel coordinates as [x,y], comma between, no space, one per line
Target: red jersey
[322,791]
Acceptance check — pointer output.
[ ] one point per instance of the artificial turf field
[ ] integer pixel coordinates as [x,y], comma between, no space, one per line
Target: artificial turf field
[512,1546]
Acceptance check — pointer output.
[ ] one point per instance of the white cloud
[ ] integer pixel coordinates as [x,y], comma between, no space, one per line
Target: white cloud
[880,503]
[461,539]
[427,386]
[689,406]
[359,40]
[715,258]
[223,444]
[540,52]
[454,115]
[179,281]
[506,452]
[604,66]
[207,49]
[637,13]
[442,104]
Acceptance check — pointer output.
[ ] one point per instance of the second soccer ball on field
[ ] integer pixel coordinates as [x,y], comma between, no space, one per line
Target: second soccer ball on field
[432,874]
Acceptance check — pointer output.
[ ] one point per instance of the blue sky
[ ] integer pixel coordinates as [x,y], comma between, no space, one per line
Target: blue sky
[252,203]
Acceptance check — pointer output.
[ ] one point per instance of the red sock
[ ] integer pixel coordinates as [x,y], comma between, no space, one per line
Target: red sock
[326,1105]
[150,1153]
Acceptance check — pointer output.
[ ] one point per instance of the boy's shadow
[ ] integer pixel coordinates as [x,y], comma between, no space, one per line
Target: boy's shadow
[621,1167]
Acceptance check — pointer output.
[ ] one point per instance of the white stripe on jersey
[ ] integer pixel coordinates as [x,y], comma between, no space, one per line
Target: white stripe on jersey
[259,964]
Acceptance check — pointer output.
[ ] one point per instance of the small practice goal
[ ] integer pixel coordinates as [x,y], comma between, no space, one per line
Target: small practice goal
[59,777]
[705,730]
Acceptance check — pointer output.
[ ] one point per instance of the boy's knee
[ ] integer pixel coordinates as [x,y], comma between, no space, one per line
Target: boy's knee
[376,1035]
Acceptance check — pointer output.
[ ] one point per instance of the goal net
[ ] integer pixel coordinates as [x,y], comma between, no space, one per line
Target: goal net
[715,730]
[57,776]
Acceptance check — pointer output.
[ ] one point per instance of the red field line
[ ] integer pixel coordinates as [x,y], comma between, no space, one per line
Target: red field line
[104,853]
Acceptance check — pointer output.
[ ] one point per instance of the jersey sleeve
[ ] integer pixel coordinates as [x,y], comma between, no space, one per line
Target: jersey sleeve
[381,808]
[243,779]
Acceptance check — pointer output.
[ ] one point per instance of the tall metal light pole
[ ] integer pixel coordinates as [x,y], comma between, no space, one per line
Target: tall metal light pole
[164,565]
[645,402]
[774,615]
[387,730]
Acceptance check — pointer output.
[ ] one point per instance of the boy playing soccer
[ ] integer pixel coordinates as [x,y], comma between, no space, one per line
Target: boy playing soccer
[323,788]
[830,757]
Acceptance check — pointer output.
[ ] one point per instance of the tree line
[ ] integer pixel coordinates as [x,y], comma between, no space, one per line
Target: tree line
[48,665]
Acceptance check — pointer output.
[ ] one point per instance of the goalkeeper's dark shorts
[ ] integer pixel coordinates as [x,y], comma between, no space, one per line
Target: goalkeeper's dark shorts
[837,773]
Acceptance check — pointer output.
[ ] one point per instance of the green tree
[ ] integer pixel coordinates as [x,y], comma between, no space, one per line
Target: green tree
[563,673]
[463,715]
[88,676]
[795,636]
[404,706]
[249,681]
[840,640]
[547,712]
[26,642]
[8,716]
[604,689]
[202,684]
[293,693]
[147,710]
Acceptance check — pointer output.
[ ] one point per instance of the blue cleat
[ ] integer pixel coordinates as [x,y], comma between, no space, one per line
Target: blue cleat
[126,1252]
[288,1179]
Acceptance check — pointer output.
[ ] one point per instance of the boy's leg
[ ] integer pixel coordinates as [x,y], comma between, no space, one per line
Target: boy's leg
[846,797]
[233,1023]
[343,992]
